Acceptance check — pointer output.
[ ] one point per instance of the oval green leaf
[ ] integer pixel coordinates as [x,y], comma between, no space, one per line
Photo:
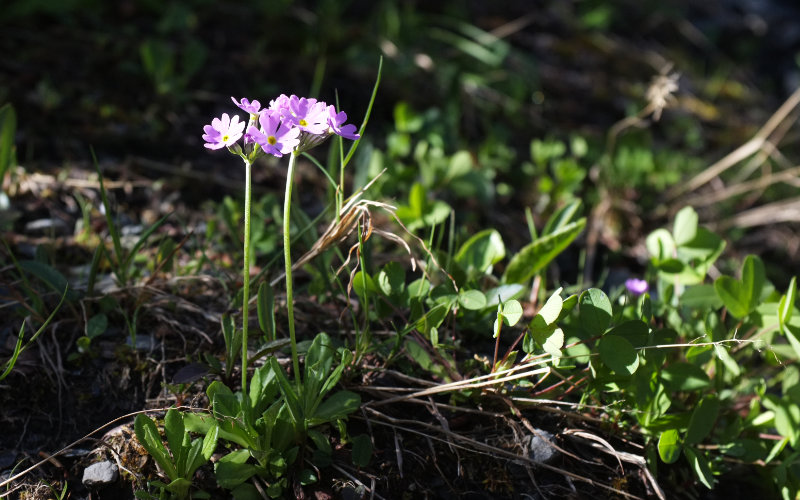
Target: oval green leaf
[472,300]
[669,446]
[618,354]
[703,418]
[595,311]
[685,377]
[481,251]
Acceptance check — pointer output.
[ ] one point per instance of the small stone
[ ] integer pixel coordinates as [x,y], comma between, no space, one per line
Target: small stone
[100,474]
[46,227]
[541,448]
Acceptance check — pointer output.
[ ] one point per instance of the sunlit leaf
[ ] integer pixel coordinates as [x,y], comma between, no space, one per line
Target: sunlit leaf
[535,256]
[595,311]
[669,446]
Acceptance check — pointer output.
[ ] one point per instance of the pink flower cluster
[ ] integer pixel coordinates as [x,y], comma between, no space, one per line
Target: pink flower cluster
[289,124]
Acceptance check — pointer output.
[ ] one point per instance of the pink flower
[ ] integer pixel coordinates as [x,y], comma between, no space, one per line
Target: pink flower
[309,115]
[245,105]
[636,286]
[223,132]
[276,137]
[336,123]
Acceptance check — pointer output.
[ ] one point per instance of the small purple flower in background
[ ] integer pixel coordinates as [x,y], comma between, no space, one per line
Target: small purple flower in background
[336,122]
[223,132]
[309,115]
[275,137]
[636,286]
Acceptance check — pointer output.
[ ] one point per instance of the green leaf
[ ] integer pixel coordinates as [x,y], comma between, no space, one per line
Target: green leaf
[595,311]
[699,255]
[231,474]
[703,418]
[512,312]
[52,277]
[669,446]
[287,389]
[179,487]
[8,128]
[741,297]
[786,304]
[96,325]
[661,245]
[730,364]
[266,310]
[173,428]
[562,217]
[552,308]
[618,354]
[535,256]
[392,279]
[753,278]
[685,377]
[147,434]
[480,252]
[321,441]
[307,477]
[551,342]
[634,331]
[339,405]
[319,358]
[210,442]
[685,226]
[224,402]
[700,466]
[701,297]
[362,450]
[472,300]
[733,295]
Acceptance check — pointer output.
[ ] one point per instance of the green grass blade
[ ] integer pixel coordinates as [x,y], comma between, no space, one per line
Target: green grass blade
[354,146]
[112,227]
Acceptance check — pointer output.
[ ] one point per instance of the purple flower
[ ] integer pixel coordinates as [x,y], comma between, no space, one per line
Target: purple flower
[223,132]
[280,103]
[309,115]
[336,123]
[276,137]
[245,105]
[636,286]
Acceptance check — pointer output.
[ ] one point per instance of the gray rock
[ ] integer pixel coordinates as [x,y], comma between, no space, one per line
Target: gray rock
[47,226]
[541,447]
[100,474]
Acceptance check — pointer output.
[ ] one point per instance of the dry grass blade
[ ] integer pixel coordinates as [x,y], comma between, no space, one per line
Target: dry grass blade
[491,379]
[754,145]
[621,456]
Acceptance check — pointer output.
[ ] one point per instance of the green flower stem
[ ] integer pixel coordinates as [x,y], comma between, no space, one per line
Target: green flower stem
[246,271]
[287,208]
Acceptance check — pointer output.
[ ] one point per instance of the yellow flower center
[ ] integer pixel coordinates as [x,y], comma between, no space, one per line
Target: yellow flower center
[272,140]
[225,138]
[303,122]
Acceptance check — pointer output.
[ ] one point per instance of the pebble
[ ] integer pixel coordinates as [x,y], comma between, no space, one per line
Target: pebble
[46,227]
[100,474]
[541,447]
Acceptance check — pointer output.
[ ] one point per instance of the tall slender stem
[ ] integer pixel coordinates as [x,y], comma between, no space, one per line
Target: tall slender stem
[287,245]
[246,272]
